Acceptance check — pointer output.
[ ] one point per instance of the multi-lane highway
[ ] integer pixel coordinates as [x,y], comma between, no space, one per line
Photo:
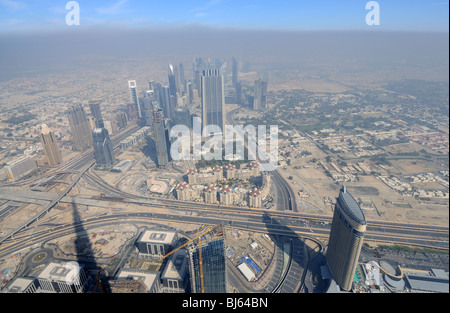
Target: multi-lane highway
[286,222]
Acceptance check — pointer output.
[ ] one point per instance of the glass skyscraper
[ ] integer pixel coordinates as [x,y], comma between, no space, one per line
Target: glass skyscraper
[211,266]
[346,239]
[213,98]
[103,149]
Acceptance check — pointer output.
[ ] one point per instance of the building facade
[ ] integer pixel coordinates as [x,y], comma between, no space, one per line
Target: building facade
[103,149]
[346,239]
[79,128]
[50,146]
[213,98]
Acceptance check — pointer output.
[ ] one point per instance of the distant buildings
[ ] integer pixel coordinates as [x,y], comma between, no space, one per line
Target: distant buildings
[50,146]
[20,167]
[80,128]
[134,96]
[346,239]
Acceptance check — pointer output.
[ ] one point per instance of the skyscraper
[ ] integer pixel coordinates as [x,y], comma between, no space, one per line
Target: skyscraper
[260,95]
[50,146]
[96,113]
[103,149]
[161,137]
[213,98]
[207,263]
[80,128]
[346,238]
[134,96]
[235,72]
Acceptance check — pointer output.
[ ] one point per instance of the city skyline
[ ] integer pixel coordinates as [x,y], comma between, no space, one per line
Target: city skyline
[249,15]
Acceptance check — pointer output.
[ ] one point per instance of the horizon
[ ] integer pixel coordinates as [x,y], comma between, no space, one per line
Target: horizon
[348,15]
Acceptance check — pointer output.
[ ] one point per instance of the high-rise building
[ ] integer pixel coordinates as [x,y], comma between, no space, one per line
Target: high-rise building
[346,239]
[135,96]
[50,146]
[103,149]
[172,81]
[62,277]
[80,128]
[235,72]
[147,103]
[207,264]
[161,137]
[213,98]
[96,113]
[20,167]
[260,95]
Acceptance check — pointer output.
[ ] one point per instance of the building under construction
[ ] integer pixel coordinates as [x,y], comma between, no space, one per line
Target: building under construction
[207,262]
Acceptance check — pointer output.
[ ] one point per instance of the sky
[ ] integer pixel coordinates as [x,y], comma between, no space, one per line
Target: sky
[304,15]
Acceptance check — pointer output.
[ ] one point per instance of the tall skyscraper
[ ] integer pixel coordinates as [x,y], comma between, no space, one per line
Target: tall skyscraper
[103,149]
[80,128]
[96,113]
[260,95]
[147,103]
[346,239]
[234,72]
[213,98]
[172,80]
[135,96]
[207,264]
[161,137]
[50,146]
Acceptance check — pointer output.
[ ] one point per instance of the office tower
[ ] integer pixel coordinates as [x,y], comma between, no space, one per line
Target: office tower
[96,113]
[260,95]
[121,119]
[80,128]
[238,93]
[20,167]
[147,103]
[213,98]
[62,277]
[172,81]
[50,146]
[134,96]
[103,149]
[207,263]
[182,79]
[131,112]
[235,72]
[182,116]
[346,239]
[161,137]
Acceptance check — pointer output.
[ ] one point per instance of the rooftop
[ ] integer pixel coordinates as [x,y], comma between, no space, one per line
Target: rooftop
[158,236]
[351,207]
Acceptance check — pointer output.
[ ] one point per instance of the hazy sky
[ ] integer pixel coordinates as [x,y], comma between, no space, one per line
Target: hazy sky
[412,15]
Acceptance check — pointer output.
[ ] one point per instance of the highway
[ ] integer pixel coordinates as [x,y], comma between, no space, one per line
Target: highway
[286,223]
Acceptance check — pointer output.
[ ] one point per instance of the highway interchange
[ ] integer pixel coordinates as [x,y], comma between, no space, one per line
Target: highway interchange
[288,226]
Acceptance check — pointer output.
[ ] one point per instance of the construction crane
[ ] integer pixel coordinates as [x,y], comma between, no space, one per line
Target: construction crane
[217,228]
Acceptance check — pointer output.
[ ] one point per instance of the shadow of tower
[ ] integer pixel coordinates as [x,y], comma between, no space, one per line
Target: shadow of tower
[85,254]
[291,257]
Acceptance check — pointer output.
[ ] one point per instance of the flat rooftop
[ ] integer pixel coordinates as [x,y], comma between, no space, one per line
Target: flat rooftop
[63,272]
[147,277]
[158,236]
